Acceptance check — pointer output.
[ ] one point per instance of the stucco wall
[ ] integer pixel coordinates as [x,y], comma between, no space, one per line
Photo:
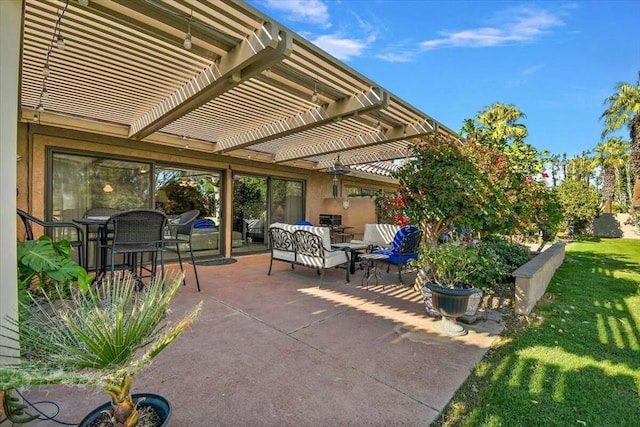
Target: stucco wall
[533,278]
[33,140]
[613,225]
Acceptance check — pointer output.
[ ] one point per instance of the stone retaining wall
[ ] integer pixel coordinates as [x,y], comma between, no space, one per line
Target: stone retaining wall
[533,277]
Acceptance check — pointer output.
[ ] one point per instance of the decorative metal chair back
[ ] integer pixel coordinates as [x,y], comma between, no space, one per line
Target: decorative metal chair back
[281,240]
[410,243]
[308,244]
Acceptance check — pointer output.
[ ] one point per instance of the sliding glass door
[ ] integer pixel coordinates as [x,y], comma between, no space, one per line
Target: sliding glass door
[259,201]
[179,189]
[82,182]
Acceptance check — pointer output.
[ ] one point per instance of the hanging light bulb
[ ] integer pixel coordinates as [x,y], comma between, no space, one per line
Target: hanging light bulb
[40,108]
[44,95]
[84,3]
[314,95]
[187,38]
[46,70]
[267,73]
[61,44]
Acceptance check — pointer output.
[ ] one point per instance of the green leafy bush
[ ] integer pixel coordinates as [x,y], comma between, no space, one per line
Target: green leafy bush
[498,257]
[580,203]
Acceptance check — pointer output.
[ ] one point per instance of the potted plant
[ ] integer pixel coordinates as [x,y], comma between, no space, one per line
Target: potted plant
[103,337]
[448,267]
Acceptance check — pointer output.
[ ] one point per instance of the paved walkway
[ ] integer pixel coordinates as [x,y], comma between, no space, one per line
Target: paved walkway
[277,351]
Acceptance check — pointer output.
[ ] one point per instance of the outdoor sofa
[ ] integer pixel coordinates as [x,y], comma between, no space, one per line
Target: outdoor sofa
[305,245]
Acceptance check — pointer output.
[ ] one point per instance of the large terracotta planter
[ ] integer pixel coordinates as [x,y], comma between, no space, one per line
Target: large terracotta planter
[159,403]
[450,303]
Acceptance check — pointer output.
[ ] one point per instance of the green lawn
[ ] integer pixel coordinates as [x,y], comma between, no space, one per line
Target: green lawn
[575,361]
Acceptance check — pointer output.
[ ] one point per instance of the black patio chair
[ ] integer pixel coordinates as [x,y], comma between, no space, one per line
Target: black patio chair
[93,231]
[135,233]
[69,231]
[181,231]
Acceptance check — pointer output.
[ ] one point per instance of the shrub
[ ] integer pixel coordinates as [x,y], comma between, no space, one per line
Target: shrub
[498,258]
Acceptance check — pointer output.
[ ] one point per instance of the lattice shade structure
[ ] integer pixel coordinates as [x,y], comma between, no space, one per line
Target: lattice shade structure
[246,87]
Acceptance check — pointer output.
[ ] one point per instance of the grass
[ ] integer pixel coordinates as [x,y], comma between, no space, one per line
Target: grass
[575,361]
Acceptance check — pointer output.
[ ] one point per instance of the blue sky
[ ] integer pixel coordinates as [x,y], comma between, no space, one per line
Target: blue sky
[556,61]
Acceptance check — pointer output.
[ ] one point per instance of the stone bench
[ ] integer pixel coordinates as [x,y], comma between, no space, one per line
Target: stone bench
[533,277]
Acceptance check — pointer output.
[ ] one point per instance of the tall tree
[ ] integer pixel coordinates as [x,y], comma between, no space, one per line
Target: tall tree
[624,109]
[554,161]
[609,156]
[496,127]
[499,121]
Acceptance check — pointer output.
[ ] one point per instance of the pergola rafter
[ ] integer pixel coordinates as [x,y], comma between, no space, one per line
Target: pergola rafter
[261,50]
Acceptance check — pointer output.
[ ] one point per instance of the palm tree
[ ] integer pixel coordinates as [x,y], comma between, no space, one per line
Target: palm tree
[624,109]
[499,123]
[609,156]
[554,161]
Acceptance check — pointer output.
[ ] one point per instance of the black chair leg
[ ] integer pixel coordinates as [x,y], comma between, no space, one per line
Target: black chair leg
[195,270]
[184,279]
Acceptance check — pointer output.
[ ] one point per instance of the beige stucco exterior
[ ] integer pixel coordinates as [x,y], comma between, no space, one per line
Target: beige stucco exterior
[34,140]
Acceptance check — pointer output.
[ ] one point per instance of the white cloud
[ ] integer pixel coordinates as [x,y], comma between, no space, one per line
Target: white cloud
[404,56]
[513,26]
[524,76]
[341,48]
[310,11]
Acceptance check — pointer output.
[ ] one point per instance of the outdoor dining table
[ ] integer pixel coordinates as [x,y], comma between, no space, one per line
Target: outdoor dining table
[352,251]
[101,254]
[340,231]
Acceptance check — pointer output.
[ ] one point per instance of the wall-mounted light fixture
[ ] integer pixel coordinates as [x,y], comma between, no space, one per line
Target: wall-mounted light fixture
[107,188]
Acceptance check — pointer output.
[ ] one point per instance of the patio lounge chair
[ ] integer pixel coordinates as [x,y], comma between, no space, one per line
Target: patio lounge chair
[404,248]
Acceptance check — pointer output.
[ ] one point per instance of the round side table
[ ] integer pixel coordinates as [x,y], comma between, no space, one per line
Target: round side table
[371,264]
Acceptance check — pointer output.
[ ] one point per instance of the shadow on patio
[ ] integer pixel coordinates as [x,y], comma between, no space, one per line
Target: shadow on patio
[276,350]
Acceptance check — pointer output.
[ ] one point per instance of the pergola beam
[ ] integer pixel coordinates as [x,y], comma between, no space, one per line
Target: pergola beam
[357,158]
[361,103]
[398,133]
[263,49]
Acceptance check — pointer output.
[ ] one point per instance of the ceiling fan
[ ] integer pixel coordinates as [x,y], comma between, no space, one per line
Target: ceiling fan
[337,169]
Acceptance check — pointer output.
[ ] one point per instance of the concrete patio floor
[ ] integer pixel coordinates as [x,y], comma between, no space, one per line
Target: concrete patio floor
[277,351]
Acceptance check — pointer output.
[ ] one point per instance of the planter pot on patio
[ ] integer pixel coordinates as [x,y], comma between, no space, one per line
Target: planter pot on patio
[450,303]
[161,406]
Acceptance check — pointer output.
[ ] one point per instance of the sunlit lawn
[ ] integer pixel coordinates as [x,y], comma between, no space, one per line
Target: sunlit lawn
[577,361]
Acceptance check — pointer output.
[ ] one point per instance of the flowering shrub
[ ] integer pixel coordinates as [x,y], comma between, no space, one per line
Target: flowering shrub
[450,181]
[467,183]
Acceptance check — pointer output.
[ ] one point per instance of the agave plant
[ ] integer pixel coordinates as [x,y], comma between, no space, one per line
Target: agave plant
[100,338]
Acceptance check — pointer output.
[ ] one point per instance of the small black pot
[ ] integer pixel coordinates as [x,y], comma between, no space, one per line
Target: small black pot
[159,403]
